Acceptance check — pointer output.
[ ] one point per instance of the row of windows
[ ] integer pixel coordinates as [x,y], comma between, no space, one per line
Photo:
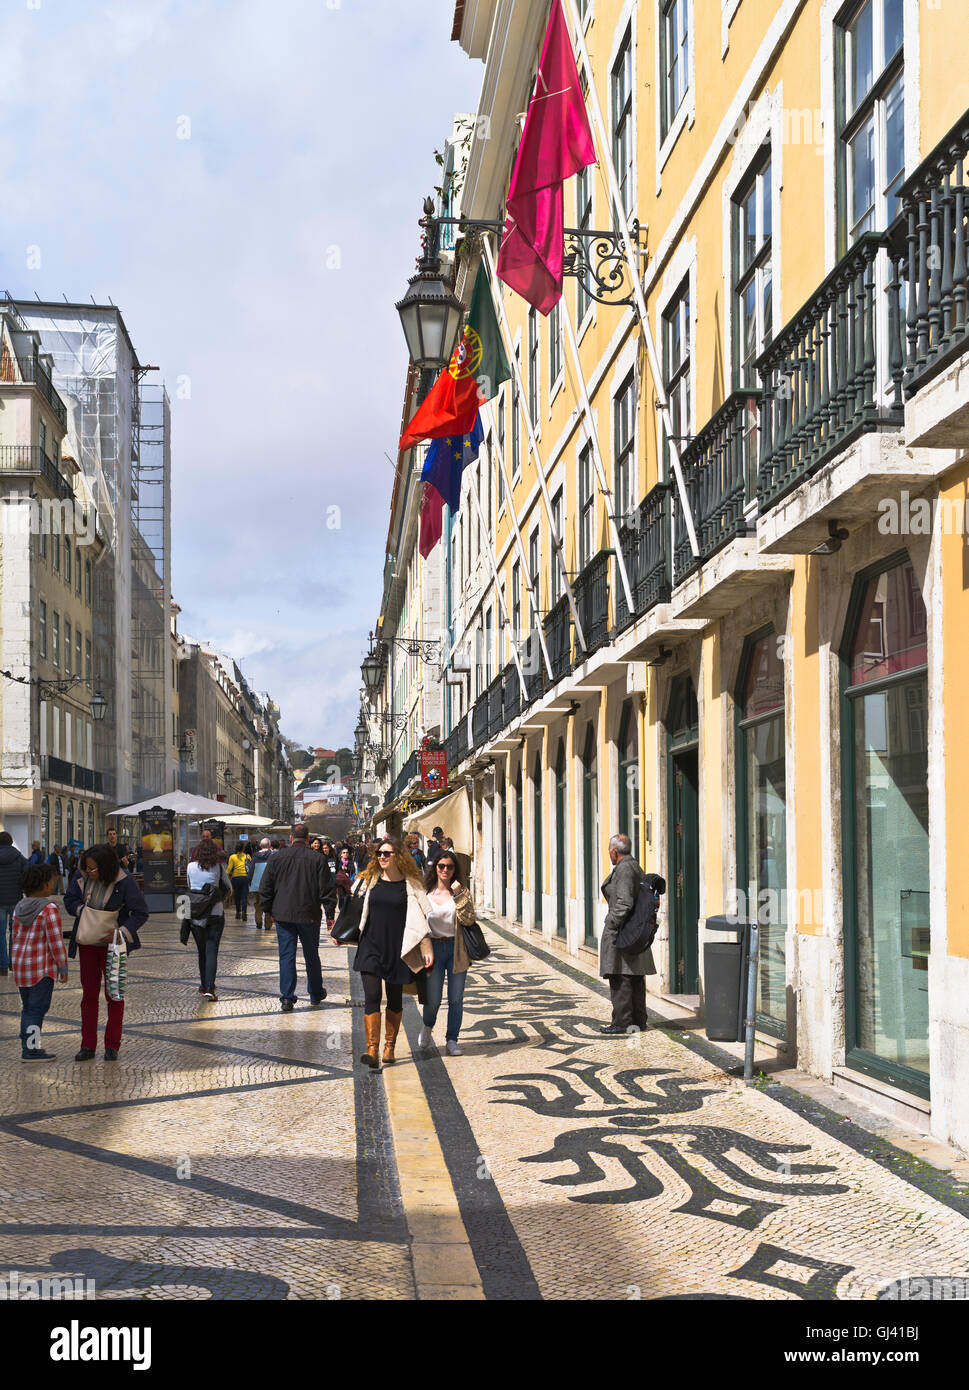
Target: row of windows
[65,560]
[76,652]
[67,825]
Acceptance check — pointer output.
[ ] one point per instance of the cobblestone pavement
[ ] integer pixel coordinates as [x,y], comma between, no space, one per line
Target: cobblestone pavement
[234,1152]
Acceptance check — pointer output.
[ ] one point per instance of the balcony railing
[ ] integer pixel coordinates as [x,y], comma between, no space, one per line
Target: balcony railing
[591,589]
[56,770]
[719,470]
[645,543]
[494,694]
[511,693]
[30,458]
[533,665]
[935,207]
[407,773]
[835,371]
[557,638]
[34,373]
[479,721]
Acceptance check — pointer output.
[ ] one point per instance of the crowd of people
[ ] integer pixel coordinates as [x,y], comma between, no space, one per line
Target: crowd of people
[410,915]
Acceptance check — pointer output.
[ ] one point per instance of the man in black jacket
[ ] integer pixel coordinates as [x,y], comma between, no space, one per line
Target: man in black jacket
[296,888]
[12,865]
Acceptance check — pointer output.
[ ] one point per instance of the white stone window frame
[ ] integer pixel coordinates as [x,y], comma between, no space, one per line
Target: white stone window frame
[591,313]
[911,87]
[554,387]
[728,9]
[626,362]
[536,421]
[686,113]
[764,124]
[517,400]
[626,25]
[682,264]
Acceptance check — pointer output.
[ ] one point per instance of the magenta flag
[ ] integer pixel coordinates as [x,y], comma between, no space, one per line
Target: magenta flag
[556,143]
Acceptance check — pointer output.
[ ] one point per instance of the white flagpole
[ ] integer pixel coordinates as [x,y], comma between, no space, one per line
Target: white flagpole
[634,273]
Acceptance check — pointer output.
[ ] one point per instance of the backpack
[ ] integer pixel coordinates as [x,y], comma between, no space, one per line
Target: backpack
[637,933]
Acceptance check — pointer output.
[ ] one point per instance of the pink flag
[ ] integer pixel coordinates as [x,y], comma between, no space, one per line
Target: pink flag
[556,143]
[432,519]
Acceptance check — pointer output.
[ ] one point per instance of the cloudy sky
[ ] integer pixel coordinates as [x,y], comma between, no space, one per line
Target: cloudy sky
[243,178]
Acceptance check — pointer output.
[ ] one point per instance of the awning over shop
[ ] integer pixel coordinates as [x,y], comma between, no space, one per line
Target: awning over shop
[453,814]
[184,804]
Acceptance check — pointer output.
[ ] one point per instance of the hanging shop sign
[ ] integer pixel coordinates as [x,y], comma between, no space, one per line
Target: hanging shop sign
[433,769]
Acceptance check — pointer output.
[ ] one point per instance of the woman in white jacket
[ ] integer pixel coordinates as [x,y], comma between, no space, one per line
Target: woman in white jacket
[394,940]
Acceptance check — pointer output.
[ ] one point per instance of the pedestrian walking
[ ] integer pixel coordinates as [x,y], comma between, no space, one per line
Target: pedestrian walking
[435,845]
[58,863]
[296,886]
[450,909]
[413,843]
[362,854]
[259,861]
[36,853]
[122,850]
[104,886]
[394,941]
[624,970]
[12,866]
[210,888]
[38,956]
[240,872]
[207,835]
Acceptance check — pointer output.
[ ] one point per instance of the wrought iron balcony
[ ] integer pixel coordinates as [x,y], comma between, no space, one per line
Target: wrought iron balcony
[533,665]
[30,458]
[591,589]
[645,543]
[935,205]
[494,693]
[56,770]
[407,773]
[511,694]
[557,623]
[33,372]
[720,470]
[835,371]
[479,721]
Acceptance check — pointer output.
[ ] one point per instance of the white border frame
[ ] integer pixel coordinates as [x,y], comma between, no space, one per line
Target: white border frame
[686,114]
[681,264]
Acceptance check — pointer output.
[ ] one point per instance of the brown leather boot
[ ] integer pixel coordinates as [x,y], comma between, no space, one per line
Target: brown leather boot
[391,1030]
[372,1024]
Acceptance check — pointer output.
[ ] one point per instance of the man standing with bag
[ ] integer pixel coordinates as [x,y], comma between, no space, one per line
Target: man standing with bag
[626,971]
[259,862]
[296,886]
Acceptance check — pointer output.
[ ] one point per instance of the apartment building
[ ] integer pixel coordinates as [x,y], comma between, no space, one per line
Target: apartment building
[770,705]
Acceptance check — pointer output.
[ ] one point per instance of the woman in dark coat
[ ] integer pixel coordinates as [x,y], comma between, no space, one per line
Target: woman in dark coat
[102,883]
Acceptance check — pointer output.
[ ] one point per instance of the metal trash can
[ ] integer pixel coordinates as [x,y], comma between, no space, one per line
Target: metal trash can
[724,980]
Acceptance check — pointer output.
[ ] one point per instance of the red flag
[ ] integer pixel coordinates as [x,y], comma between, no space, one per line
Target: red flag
[556,143]
[451,405]
[432,519]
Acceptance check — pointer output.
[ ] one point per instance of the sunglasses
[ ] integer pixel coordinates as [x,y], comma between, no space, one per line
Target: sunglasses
[384,853]
[446,864]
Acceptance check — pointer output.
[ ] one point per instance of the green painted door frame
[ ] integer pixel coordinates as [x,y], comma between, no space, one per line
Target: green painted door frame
[683,801]
[519,847]
[538,876]
[590,834]
[561,801]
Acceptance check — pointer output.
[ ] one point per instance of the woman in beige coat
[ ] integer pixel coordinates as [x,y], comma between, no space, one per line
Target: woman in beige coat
[394,940]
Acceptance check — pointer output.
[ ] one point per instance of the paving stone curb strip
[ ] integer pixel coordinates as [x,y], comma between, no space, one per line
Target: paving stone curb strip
[234,1152]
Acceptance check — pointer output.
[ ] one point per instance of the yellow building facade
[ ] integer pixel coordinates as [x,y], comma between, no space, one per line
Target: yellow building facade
[773,715]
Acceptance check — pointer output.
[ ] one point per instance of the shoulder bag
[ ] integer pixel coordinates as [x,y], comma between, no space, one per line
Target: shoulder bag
[474,941]
[95,927]
[346,928]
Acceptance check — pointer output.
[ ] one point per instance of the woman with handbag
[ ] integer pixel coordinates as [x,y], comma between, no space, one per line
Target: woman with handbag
[103,898]
[240,872]
[394,940]
[210,887]
[451,911]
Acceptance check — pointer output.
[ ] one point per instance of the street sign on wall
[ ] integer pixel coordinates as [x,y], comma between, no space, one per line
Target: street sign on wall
[433,769]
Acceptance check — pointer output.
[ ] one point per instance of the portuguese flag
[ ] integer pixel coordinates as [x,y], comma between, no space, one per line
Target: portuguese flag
[477,368]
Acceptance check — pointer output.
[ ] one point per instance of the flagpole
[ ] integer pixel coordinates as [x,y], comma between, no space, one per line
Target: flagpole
[556,539]
[494,571]
[662,402]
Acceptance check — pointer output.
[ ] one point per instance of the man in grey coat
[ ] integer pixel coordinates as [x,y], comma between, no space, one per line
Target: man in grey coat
[626,973]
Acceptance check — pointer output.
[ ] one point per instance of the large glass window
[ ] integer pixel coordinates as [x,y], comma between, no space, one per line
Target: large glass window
[583,220]
[624,408]
[762,842]
[590,833]
[676,364]
[43,629]
[887,827]
[533,396]
[555,567]
[516,459]
[90,825]
[58,821]
[56,640]
[587,507]
[674,60]
[45,825]
[503,457]
[753,278]
[872,115]
[623,141]
[554,345]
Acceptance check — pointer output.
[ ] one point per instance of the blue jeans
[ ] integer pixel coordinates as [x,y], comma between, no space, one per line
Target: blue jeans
[35,1001]
[444,962]
[308,935]
[240,887]
[6,936]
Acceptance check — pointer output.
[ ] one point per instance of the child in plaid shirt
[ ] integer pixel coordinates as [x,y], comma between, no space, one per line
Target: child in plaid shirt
[37,955]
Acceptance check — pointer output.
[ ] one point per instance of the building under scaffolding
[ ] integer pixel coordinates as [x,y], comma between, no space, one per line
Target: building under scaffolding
[118,432]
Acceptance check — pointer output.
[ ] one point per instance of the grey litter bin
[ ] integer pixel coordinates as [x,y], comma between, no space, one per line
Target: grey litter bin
[723,980]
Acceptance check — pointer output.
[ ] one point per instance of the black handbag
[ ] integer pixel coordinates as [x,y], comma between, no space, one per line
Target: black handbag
[346,928]
[474,942]
[639,930]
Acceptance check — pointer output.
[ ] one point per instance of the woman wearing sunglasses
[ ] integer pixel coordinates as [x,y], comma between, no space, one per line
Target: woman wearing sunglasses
[450,907]
[394,940]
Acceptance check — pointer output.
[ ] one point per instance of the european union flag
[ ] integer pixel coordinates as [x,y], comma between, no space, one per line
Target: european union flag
[447,459]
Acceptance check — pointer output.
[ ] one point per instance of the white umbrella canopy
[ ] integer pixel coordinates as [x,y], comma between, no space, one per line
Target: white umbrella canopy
[257,822]
[184,804]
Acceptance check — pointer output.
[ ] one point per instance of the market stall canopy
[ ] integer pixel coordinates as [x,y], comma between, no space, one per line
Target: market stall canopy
[259,822]
[185,804]
[453,813]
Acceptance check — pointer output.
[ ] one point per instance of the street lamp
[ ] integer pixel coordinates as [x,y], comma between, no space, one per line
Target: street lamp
[430,312]
[372,669]
[98,707]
